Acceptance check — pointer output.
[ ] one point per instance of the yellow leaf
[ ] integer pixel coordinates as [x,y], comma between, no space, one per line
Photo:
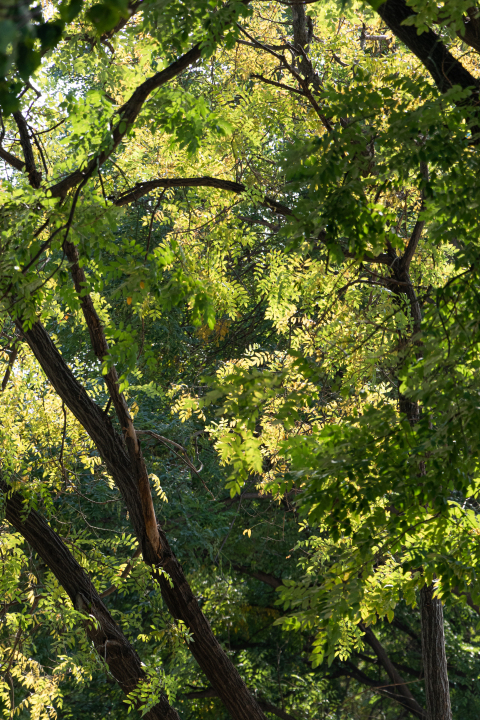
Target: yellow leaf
[129,300]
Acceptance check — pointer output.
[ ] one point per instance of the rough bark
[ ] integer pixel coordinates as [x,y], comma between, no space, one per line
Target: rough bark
[301,26]
[434,658]
[109,641]
[101,350]
[179,599]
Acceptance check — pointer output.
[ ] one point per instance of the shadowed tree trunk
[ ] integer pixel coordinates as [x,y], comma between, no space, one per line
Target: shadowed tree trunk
[434,657]
[110,643]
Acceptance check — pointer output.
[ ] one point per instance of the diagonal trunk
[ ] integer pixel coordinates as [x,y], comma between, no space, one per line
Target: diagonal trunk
[434,657]
[110,643]
[179,598]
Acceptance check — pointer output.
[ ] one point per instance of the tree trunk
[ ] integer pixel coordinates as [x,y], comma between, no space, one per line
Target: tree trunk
[434,658]
[180,600]
[109,641]
[433,640]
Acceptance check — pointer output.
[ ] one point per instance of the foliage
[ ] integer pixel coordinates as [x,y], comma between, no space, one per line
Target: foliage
[266,342]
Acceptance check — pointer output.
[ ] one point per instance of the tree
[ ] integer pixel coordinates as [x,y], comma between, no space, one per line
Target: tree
[306,278]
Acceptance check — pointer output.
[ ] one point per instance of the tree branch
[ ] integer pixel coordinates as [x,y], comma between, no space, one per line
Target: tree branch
[166,569]
[352,671]
[258,575]
[101,350]
[128,114]
[141,189]
[411,248]
[459,593]
[392,672]
[471,29]
[34,175]
[277,84]
[11,159]
[13,357]
[430,50]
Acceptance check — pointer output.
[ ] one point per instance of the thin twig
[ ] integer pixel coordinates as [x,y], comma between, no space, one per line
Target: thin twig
[184,457]
[126,572]
[64,432]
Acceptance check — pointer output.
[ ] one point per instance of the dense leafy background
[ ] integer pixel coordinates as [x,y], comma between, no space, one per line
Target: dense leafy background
[271,347]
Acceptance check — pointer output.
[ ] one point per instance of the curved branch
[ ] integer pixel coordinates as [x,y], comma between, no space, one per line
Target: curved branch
[144,188]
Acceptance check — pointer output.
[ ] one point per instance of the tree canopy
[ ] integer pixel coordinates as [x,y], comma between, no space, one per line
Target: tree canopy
[239,259]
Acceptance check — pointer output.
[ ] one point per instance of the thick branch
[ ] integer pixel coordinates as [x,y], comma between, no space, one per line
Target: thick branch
[471,29]
[430,50]
[437,689]
[11,361]
[144,188]
[101,350]
[11,159]
[176,591]
[34,175]
[128,114]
